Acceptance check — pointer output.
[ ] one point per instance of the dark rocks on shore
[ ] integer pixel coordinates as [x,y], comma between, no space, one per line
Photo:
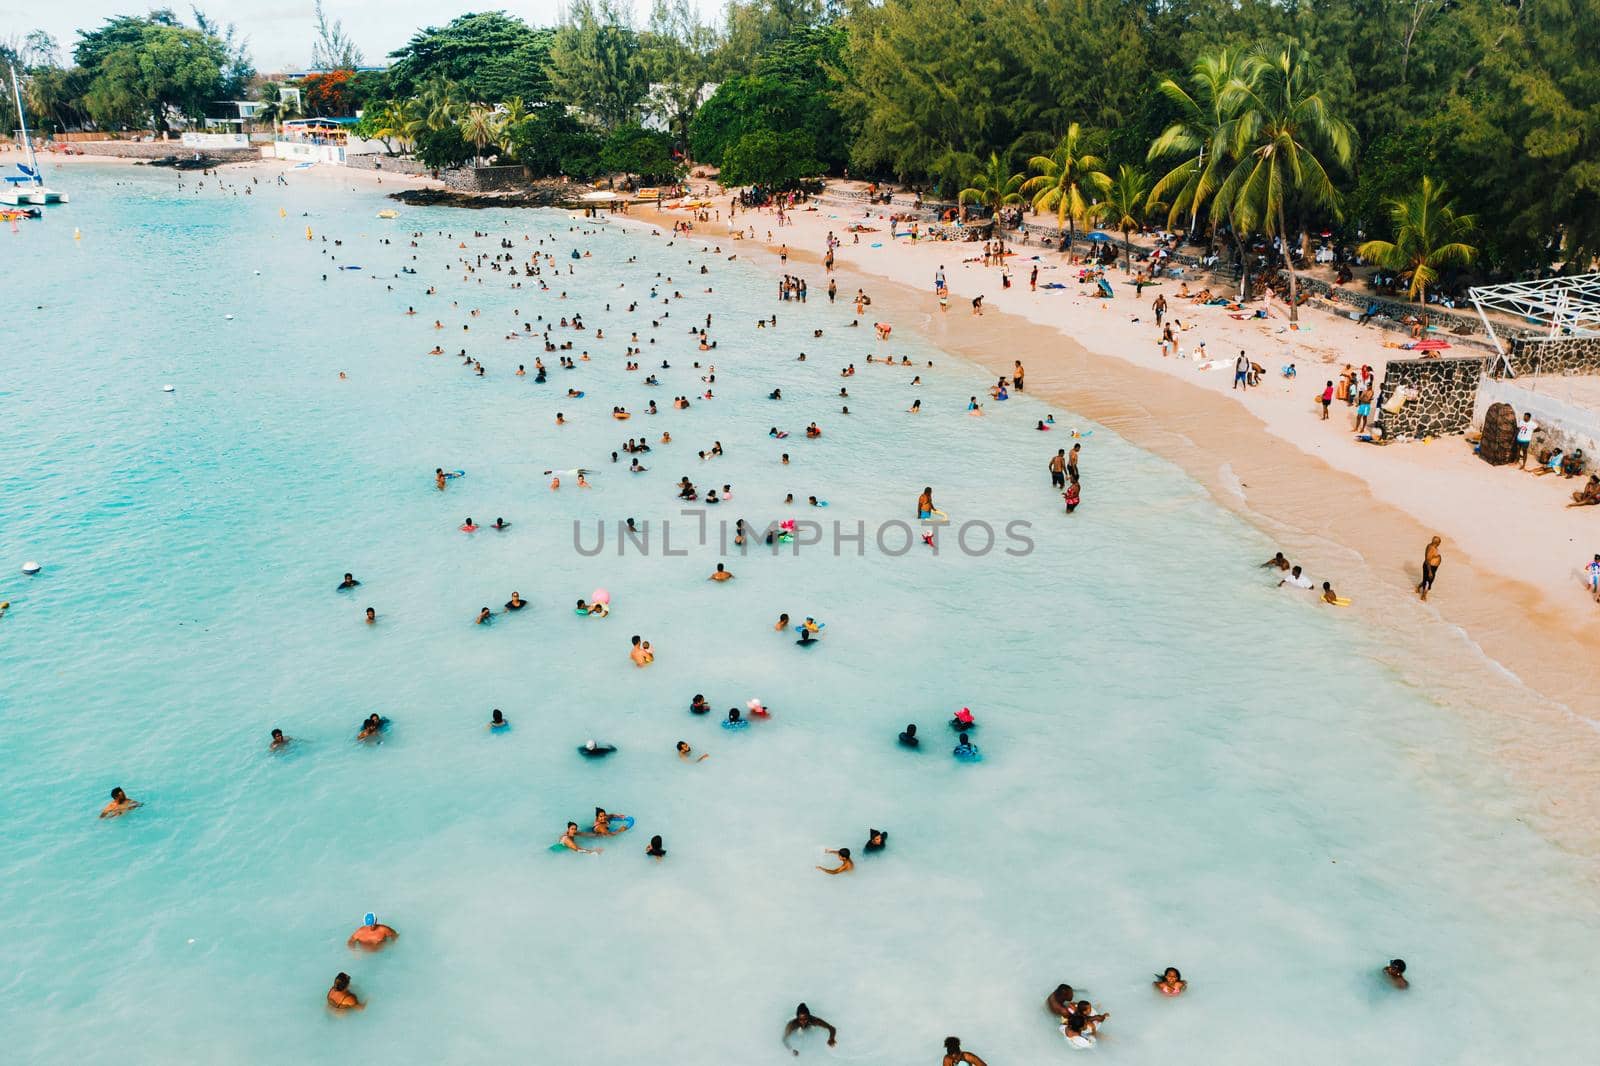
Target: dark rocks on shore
[535,197]
[186,162]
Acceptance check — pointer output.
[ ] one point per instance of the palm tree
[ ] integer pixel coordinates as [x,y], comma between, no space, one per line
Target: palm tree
[275,106]
[1128,200]
[993,187]
[1066,181]
[1283,119]
[481,126]
[513,113]
[1201,134]
[1428,234]
[438,107]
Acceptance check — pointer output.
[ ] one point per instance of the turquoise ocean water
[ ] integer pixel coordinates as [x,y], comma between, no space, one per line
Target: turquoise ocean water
[1182,766]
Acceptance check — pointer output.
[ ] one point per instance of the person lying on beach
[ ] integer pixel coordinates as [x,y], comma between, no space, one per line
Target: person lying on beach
[372,934]
[120,804]
[804,1019]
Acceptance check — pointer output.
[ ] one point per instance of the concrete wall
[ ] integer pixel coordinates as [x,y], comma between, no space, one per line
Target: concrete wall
[1562,355]
[211,141]
[1562,424]
[300,152]
[398,164]
[1445,391]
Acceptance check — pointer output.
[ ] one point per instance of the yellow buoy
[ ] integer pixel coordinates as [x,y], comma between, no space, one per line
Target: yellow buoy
[308,233]
[282,213]
[77,235]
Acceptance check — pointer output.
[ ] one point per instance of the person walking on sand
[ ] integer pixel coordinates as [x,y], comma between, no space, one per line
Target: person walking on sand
[1430,567]
[1241,371]
[1327,400]
[1160,308]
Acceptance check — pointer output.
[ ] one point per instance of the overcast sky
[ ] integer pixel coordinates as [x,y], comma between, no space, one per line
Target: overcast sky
[281,33]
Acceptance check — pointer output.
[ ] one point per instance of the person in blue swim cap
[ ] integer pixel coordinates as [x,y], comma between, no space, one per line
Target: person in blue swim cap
[372,934]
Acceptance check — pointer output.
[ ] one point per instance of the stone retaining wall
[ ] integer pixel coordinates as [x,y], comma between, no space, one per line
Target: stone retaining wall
[390,164]
[1559,355]
[164,150]
[1445,393]
[485,179]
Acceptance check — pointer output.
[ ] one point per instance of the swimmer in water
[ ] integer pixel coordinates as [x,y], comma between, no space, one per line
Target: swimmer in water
[954,1056]
[373,727]
[965,748]
[1170,982]
[908,737]
[372,616]
[846,864]
[516,602]
[570,842]
[686,753]
[349,582]
[877,839]
[341,998]
[469,526]
[593,749]
[439,479]
[1396,973]
[497,721]
[602,823]
[640,653]
[807,638]
[485,616]
[721,574]
[120,804]
[1277,562]
[1062,1002]
[803,1019]
[279,741]
[500,523]
[372,934]
[1328,595]
[655,849]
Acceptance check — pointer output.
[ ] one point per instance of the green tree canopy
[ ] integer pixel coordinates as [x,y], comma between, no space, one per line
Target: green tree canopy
[595,58]
[490,57]
[632,149]
[550,143]
[763,157]
[151,71]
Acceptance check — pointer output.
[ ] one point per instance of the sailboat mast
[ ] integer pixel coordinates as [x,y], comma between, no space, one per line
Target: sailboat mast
[22,123]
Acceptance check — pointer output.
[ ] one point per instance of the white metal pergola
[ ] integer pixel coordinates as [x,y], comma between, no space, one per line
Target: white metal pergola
[1567,307]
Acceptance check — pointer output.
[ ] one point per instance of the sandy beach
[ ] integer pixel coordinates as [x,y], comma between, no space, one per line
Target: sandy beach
[1505,633]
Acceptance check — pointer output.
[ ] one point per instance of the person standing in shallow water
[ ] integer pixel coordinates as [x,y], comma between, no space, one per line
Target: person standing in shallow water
[1430,567]
[954,1056]
[803,1019]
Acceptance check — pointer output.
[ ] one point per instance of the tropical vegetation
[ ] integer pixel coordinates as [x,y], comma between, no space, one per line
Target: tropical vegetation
[1259,122]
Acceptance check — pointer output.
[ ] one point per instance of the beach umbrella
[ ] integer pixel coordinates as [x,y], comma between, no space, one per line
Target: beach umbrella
[1098,236]
[1429,345]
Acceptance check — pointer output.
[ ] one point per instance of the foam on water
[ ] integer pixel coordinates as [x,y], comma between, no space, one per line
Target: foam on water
[1182,765]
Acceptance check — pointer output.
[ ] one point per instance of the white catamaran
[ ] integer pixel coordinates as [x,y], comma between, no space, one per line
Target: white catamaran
[27,185]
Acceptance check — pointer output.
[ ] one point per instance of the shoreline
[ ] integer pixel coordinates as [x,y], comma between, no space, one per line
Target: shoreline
[1528,672]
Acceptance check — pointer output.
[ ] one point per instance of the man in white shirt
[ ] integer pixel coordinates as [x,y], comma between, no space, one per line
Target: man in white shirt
[1525,431]
[1296,579]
